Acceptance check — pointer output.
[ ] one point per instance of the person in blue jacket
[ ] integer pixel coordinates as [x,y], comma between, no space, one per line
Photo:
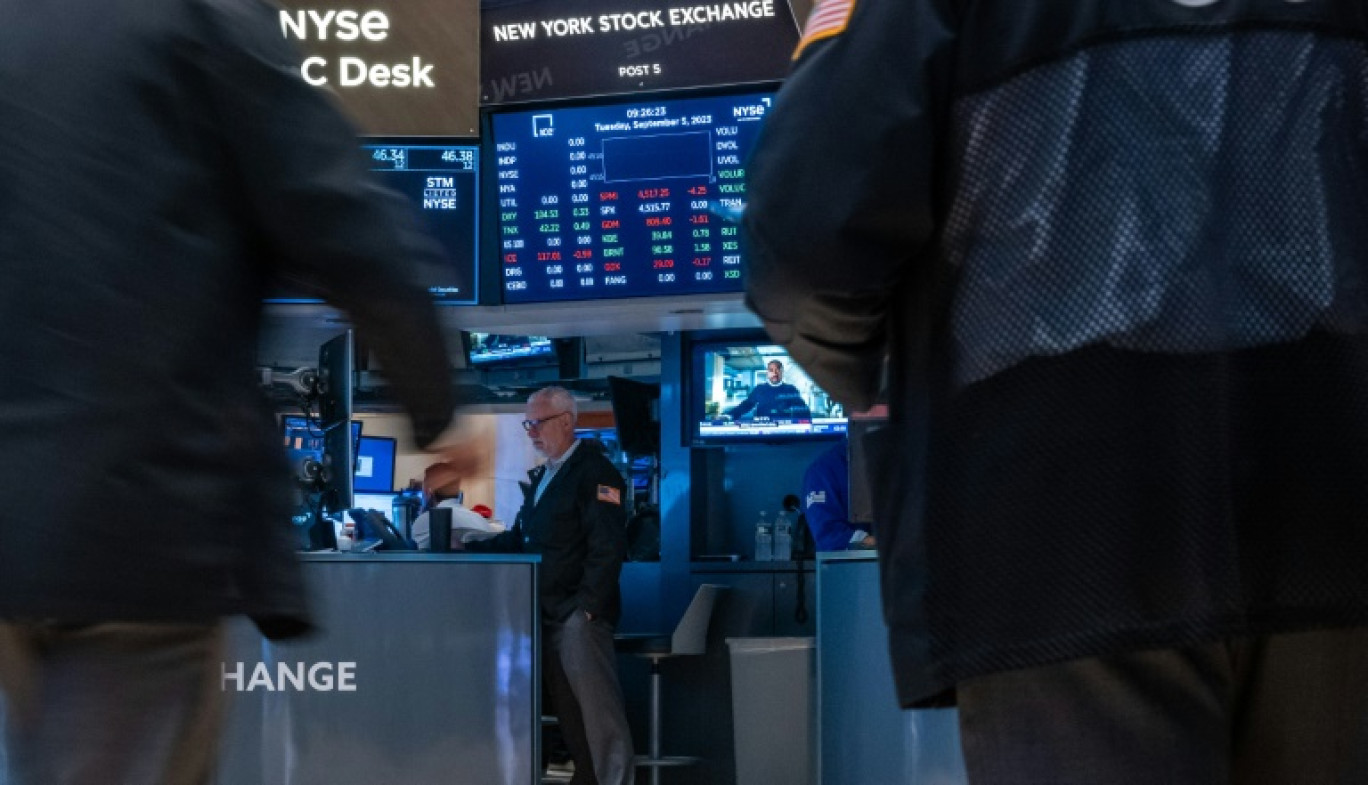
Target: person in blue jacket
[776,399]
[826,502]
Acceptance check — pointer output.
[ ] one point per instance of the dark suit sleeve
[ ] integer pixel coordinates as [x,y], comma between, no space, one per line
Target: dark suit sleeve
[606,522]
[794,405]
[740,409]
[325,222]
[841,189]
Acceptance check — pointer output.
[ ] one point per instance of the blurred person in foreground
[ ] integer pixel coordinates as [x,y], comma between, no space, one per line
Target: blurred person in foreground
[159,162]
[1115,255]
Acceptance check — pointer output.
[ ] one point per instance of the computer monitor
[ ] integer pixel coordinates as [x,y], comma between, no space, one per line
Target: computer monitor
[375,458]
[622,198]
[440,178]
[380,502]
[636,414]
[335,378]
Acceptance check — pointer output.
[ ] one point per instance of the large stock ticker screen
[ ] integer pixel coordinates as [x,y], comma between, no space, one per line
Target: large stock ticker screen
[624,200]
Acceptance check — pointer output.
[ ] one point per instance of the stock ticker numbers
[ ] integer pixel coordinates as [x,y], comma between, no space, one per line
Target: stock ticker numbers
[442,181]
[625,200]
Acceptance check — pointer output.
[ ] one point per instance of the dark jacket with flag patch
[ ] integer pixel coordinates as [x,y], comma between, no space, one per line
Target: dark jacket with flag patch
[580,529]
[1115,251]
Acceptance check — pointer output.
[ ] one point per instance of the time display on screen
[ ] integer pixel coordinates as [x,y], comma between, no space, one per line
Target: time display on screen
[626,200]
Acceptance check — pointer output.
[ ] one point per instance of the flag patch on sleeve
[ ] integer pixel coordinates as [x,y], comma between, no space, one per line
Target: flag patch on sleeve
[828,18]
[607,493]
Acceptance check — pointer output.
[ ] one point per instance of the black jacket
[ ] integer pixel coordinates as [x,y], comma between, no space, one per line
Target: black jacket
[158,161]
[1114,251]
[580,529]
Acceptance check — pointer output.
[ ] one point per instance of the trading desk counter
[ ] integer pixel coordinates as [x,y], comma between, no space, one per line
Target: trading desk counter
[426,671]
[863,737]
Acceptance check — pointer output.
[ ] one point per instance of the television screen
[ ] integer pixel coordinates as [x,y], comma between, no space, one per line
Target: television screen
[624,199]
[744,391]
[484,349]
[374,465]
[441,180]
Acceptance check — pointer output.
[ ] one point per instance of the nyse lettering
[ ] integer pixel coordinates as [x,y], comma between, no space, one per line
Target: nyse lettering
[343,25]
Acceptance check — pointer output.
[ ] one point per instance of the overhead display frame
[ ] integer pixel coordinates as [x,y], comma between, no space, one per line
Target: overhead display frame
[539,50]
[441,178]
[615,135]
[631,198]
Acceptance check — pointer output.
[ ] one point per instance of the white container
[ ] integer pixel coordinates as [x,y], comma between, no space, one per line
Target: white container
[774,710]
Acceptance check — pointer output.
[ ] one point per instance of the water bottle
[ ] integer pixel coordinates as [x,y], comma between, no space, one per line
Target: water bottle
[764,540]
[783,538]
[403,511]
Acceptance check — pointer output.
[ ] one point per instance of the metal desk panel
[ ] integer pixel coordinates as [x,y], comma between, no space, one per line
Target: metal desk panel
[864,738]
[426,672]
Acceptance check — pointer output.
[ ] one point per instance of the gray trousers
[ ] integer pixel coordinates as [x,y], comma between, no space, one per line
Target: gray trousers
[580,668]
[1276,710]
[109,704]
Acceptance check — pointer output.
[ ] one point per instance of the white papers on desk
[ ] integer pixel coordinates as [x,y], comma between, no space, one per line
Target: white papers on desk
[466,526]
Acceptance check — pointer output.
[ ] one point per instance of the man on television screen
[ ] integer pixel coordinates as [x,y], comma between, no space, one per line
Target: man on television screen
[774,400]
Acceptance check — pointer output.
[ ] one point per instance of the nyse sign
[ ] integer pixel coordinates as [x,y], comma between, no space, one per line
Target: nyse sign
[546,49]
[397,67]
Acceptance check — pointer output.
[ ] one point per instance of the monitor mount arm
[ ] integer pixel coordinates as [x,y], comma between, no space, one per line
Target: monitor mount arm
[304,381]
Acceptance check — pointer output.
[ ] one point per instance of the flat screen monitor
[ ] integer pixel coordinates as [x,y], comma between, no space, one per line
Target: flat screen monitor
[636,414]
[375,456]
[624,199]
[380,502]
[486,349]
[750,391]
[336,368]
[441,179]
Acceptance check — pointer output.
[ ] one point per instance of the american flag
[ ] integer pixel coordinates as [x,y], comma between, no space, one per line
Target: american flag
[828,18]
[607,493]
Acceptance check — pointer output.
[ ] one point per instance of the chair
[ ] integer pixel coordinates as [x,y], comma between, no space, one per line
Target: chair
[690,637]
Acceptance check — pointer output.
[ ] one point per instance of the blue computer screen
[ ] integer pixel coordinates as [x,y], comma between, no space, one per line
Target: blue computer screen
[374,465]
[624,199]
